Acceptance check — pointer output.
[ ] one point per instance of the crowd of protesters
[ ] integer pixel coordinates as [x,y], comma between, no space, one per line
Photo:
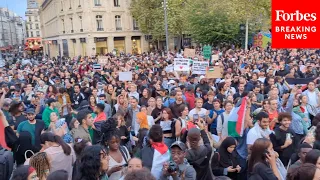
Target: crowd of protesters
[65,119]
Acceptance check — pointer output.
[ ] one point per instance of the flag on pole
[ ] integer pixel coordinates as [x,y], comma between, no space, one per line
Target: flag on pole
[237,119]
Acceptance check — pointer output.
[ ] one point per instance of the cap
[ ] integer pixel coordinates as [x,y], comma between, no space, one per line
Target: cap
[179,144]
[171,81]
[201,77]
[51,100]
[30,111]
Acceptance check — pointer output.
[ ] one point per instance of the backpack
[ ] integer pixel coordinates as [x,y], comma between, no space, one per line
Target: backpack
[222,118]
[125,153]
[6,164]
[173,127]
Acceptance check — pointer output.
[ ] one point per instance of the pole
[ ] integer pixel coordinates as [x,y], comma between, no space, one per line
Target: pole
[247,32]
[166,24]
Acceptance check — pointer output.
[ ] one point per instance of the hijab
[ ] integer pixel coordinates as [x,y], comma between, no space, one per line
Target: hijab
[227,159]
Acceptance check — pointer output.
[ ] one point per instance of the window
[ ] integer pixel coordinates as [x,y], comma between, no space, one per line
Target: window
[97,3]
[37,26]
[71,21]
[38,33]
[30,26]
[80,18]
[135,25]
[99,23]
[31,34]
[63,31]
[116,3]
[79,3]
[36,18]
[61,5]
[70,4]
[29,18]
[28,34]
[118,23]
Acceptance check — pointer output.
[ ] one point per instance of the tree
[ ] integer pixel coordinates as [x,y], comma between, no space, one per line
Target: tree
[215,21]
[150,17]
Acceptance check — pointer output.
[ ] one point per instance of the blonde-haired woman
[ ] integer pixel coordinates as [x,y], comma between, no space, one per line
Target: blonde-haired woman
[123,130]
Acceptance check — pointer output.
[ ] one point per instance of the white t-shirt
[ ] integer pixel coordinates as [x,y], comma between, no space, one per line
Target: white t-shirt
[202,112]
[252,136]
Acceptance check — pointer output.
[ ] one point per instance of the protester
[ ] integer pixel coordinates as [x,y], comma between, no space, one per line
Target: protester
[262,162]
[303,150]
[41,162]
[306,171]
[24,173]
[62,155]
[313,157]
[94,164]
[60,174]
[143,174]
[178,168]
[227,165]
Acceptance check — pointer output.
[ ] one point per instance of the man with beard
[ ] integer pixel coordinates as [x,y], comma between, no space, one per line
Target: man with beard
[33,126]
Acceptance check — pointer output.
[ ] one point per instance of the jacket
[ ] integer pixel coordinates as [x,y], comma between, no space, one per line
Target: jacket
[190,99]
[60,100]
[200,159]
[186,172]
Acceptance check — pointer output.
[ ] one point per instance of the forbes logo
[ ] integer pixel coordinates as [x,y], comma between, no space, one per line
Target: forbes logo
[296,16]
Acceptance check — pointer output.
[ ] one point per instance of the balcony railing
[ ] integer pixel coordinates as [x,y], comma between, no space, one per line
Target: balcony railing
[81,30]
[136,28]
[97,5]
[63,32]
[72,31]
[99,29]
[118,28]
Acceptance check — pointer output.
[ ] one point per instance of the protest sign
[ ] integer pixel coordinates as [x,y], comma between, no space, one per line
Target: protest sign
[189,52]
[169,68]
[214,72]
[207,52]
[103,60]
[181,64]
[215,57]
[199,67]
[125,76]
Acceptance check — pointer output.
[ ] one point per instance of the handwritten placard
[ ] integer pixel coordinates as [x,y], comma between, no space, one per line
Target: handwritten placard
[199,67]
[181,64]
[125,76]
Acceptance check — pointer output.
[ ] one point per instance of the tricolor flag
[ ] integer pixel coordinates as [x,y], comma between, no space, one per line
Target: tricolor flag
[236,119]
[161,155]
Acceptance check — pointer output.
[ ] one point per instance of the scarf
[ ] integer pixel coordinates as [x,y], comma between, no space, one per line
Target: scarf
[160,146]
[264,133]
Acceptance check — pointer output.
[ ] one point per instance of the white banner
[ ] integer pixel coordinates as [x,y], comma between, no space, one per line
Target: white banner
[199,67]
[181,64]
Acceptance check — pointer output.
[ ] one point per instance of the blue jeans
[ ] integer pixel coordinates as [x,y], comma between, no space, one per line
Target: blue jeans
[169,141]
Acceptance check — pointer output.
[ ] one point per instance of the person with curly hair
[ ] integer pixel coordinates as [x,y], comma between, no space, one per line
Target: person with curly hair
[119,155]
[40,161]
[94,163]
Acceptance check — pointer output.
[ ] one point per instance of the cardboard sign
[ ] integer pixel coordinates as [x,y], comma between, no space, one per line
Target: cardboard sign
[214,72]
[189,52]
[181,64]
[103,60]
[125,76]
[199,67]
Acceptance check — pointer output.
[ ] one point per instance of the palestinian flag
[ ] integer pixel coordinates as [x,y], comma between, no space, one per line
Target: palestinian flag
[236,119]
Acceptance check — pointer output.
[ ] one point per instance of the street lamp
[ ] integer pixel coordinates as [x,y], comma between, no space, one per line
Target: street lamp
[165,8]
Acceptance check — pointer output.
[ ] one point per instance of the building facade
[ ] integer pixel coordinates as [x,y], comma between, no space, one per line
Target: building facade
[89,27]
[33,19]
[12,29]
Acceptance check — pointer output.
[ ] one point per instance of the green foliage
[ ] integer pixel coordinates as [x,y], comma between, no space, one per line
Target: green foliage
[208,21]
